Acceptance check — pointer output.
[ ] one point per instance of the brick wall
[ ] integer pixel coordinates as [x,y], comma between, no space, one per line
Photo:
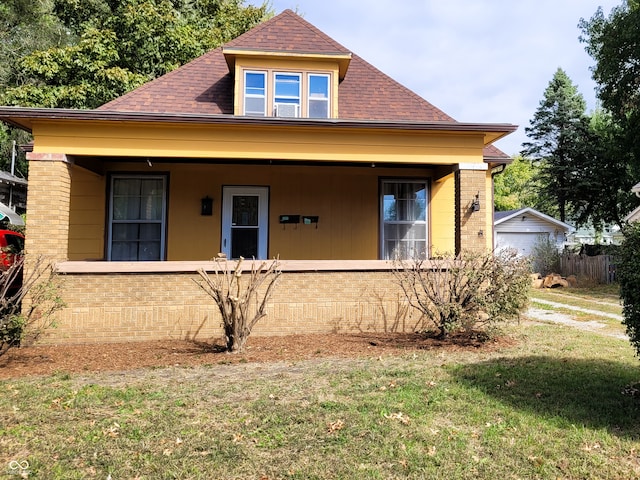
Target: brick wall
[48,205]
[471,228]
[135,307]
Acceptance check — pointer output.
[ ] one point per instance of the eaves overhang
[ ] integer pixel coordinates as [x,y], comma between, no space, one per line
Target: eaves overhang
[25,117]
[342,59]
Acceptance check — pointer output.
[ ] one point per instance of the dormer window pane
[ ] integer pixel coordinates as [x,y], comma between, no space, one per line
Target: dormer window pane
[318,96]
[287,95]
[255,93]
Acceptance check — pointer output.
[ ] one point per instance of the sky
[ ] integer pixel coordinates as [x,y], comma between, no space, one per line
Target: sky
[480,61]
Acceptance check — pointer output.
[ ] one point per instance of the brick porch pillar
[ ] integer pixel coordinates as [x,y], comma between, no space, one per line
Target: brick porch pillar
[471,226]
[48,202]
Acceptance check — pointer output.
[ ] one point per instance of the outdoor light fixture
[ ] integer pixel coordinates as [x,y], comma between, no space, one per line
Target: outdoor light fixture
[475,205]
[206,206]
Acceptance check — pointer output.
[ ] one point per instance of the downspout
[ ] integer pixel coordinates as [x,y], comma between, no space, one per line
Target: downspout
[499,170]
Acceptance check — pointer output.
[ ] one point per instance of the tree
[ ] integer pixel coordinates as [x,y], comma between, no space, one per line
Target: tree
[240,296]
[516,187]
[119,45]
[25,26]
[560,142]
[628,272]
[614,44]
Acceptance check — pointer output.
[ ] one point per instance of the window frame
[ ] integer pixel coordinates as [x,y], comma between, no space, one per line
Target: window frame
[163,216]
[296,100]
[308,93]
[423,223]
[303,100]
[264,97]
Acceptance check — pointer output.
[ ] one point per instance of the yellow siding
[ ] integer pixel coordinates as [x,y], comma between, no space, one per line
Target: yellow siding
[87,215]
[443,214]
[257,141]
[345,198]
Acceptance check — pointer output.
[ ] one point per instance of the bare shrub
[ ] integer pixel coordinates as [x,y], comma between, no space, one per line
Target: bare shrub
[468,292]
[27,303]
[399,318]
[239,297]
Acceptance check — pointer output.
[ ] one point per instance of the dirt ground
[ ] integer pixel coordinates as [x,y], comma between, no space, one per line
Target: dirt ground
[44,360]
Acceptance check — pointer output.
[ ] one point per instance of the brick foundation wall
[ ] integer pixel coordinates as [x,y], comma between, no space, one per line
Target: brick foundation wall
[136,307]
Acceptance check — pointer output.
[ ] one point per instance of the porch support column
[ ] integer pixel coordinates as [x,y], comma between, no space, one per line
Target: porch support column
[48,201]
[471,225]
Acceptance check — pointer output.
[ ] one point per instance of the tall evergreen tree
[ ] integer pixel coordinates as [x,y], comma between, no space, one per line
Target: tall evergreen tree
[559,140]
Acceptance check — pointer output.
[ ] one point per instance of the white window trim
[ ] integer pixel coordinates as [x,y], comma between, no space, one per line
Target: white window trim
[162,221]
[298,99]
[270,95]
[308,92]
[264,97]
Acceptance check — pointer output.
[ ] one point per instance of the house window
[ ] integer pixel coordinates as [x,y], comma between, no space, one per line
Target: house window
[255,98]
[403,206]
[318,96]
[137,218]
[287,95]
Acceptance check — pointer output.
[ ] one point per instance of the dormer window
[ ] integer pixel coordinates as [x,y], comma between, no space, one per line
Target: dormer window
[318,96]
[286,94]
[286,102]
[255,93]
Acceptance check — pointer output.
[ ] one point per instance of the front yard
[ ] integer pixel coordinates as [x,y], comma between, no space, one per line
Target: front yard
[545,402]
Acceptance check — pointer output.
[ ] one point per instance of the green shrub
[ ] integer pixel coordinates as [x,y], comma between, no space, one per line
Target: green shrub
[468,292]
[545,258]
[628,272]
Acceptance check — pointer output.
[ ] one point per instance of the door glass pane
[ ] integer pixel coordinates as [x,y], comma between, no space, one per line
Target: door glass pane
[245,210]
[244,242]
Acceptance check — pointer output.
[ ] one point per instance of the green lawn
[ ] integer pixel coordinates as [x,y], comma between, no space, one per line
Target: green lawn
[548,406]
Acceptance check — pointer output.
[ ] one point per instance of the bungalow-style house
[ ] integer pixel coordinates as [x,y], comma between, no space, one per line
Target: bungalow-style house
[281,143]
[522,228]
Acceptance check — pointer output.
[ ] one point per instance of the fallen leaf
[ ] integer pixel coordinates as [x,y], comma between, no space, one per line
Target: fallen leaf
[335,426]
[401,417]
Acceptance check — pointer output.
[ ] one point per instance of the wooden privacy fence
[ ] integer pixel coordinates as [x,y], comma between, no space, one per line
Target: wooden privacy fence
[599,268]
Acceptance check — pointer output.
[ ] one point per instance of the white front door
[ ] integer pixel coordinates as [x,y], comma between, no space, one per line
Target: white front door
[245,222]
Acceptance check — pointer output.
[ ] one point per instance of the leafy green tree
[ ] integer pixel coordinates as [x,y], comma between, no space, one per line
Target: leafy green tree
[516,186]
[119,45]
[605,177]
[628,272]
[559,140]
[614,44]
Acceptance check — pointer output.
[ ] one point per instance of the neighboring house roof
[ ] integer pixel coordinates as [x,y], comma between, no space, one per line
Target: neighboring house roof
[501,217]
[633,216]
[6,177]
[636,189]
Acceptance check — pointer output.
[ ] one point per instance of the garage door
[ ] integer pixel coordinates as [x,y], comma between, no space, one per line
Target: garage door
[523,242]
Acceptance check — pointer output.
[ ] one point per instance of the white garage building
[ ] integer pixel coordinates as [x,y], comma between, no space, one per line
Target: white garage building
[522,228]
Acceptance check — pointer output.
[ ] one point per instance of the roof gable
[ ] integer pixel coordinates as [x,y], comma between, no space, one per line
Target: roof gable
[503,217]
[205,85]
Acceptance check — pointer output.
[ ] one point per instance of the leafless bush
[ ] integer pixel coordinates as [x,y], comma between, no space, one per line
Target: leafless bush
[238,296]
[466,292]
[398,318]
[27,303]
